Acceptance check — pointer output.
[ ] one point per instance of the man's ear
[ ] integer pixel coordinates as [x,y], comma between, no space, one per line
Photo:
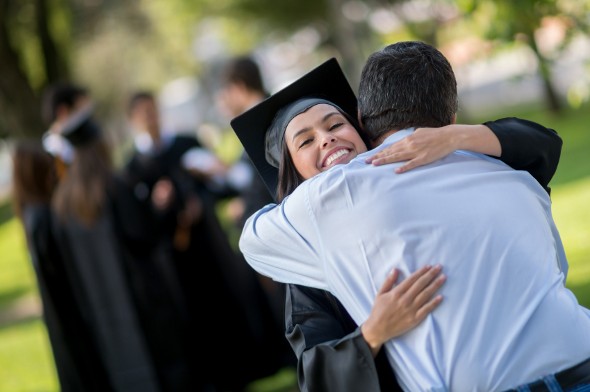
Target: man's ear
[454,121]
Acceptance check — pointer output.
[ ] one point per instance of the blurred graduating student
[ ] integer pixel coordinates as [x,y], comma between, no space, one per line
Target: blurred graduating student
[34,178]
[229,315]
[88,241]
[131,312]
[242,87]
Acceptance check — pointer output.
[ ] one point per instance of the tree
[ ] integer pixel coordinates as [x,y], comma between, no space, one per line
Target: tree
[521,21]
[19,100]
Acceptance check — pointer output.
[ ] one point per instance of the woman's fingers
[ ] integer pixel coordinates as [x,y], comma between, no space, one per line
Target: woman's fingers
[419,279]
[426,294]
[418,290]
[423,146]
[425,310]
[389,281]
[391,154]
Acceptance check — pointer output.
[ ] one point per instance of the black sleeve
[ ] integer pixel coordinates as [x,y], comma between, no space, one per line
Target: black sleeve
[528,146]
[332,355]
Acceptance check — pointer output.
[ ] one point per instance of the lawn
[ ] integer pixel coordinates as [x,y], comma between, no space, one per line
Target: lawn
[25,357]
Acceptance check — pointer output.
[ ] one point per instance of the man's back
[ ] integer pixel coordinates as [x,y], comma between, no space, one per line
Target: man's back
[506,318]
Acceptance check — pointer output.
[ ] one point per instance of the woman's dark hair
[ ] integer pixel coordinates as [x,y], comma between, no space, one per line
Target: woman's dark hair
[82,194]
[34,176]
[289,177]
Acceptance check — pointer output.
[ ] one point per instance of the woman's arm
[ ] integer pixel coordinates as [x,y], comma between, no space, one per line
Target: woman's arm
[522,144]
[333,353]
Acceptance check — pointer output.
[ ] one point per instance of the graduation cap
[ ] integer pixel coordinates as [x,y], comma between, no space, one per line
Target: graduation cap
[80,129]
[327,81]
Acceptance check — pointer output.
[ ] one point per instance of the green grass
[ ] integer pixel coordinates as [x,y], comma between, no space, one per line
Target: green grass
[26,363]
[572,217]
[17,278]
[25,357]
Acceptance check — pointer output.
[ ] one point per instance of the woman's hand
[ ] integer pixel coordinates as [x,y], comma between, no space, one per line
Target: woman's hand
[426,145]
[399,308]
[423,146]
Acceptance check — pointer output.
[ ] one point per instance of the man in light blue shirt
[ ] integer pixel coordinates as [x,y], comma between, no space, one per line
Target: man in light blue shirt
[507,318]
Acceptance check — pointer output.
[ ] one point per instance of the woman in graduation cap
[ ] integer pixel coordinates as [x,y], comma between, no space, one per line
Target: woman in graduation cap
[334,353]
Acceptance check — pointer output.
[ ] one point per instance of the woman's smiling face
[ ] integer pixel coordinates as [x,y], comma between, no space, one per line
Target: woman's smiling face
[320,138]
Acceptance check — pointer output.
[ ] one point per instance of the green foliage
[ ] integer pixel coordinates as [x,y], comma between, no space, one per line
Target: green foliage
[280,15]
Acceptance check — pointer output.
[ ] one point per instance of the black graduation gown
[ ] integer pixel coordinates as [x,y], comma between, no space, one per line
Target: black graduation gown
[94,263]
[76,357]
[332,354]
[154,287]
[229,316]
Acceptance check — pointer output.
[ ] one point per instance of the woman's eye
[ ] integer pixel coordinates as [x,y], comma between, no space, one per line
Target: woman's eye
[305,142]
[336,126]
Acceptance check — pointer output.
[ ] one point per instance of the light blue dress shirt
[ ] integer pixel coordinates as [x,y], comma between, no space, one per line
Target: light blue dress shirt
[506,318]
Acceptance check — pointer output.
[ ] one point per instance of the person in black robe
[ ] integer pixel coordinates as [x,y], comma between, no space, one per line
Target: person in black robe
[241,87]
[131,314]
[229,314]
[91,250]
[76,358]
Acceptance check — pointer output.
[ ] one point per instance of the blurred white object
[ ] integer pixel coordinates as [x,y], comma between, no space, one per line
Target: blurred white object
[201,160]
[58,146]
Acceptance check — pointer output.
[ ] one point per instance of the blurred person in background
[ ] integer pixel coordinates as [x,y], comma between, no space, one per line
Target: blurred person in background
[89,243]
[129,311]
[34,179]
[242,87]
[229,314]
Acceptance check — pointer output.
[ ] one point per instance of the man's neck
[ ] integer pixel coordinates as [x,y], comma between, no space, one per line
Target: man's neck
[381,139]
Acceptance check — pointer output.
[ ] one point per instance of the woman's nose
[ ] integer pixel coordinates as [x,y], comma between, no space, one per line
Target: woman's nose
[328,139]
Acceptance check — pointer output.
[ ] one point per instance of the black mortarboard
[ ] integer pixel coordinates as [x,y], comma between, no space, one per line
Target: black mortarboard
[80,129]
[327,81]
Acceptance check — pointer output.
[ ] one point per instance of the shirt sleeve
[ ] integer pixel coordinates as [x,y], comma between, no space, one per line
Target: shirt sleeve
[278,242]
[528,146]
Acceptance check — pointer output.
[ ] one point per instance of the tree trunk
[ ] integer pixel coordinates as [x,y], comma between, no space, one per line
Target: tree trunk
[346,42]
[55,67]
[551,96]
[20,114]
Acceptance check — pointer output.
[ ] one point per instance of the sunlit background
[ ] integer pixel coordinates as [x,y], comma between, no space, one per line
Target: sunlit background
[522,58]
